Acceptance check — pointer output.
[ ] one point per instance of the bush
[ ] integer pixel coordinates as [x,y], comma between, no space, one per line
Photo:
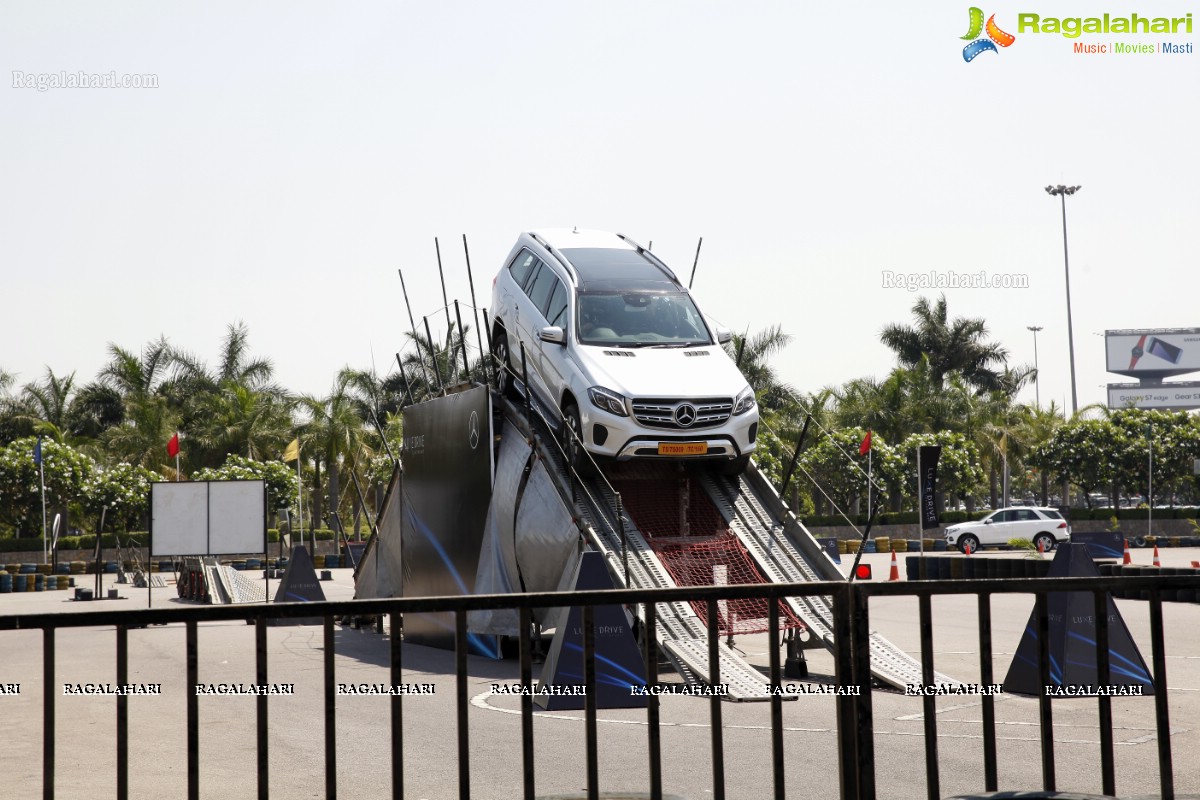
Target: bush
[898,518]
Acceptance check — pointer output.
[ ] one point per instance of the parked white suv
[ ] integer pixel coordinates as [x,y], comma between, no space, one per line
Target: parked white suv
[616,349]
[1044,526]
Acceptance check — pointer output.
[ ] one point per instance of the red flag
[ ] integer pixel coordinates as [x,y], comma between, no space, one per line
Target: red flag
[865,447]
[173,446]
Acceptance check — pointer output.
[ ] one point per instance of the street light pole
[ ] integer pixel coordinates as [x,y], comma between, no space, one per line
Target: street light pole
[1037,373]
[1061,192]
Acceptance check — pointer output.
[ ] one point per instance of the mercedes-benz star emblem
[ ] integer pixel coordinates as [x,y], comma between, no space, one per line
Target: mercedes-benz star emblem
[685,415]
[473,435]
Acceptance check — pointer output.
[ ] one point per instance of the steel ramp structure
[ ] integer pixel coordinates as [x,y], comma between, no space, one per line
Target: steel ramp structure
[782,548]
[786,551]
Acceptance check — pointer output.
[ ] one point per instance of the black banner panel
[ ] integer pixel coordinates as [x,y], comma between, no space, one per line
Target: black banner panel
[447,488]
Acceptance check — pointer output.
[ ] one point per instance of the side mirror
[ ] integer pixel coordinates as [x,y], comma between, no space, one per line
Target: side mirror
[552,334]
[724,335]
[987,522]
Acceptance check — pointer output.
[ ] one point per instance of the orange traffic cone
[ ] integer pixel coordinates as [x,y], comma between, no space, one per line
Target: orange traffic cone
[1156,562]
[895,573]
[1126,559]
[1041,546]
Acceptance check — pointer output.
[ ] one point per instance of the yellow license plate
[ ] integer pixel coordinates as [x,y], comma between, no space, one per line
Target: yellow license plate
[682,448]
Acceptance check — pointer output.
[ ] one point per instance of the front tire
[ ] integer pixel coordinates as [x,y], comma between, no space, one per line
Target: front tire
[572,443]
[735,468]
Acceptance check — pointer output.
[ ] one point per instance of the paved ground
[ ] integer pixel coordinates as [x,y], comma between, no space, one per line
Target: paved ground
[86,725]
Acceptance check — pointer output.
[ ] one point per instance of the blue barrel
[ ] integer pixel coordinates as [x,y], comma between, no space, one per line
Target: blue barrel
[165,566]
[39,582]
[63,568]
[253,563]
[28,569]
[5,582]
[110,566]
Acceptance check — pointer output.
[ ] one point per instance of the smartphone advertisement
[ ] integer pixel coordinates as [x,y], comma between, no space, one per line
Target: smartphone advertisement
[1153,352]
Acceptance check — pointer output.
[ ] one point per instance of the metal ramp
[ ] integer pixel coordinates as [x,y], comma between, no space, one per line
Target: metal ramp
[681,634]
[786,551]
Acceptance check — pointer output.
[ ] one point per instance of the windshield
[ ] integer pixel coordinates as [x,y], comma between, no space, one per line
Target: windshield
[640,319]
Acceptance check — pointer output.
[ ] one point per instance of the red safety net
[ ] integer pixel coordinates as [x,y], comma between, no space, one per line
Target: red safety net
[694,543]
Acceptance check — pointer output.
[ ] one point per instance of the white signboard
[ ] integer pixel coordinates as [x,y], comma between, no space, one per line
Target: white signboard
[202,518]
[1179,396]
[1166,352]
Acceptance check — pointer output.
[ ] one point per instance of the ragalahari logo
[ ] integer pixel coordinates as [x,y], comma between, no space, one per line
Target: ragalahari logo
[995,36]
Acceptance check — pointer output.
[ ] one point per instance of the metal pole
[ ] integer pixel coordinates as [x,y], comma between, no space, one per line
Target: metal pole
[1070,327]
[1150,488]
[474,307]
[694,262]
[463,342]
[1037,373]
[442,277]
[404,377]
[416,338]
[433,354]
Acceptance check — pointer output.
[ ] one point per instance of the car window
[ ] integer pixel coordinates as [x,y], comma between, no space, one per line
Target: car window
[639,319]
[539,289]
[1025,515]
[1002,516]
[556,312]
[1052,514]
[521,267]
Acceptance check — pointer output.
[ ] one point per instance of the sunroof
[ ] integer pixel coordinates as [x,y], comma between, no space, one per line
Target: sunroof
[608,265]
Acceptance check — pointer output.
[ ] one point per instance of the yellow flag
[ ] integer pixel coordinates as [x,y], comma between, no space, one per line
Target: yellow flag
[293,451]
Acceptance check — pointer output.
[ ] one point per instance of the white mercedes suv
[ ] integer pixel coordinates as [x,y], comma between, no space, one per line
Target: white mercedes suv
[616,349]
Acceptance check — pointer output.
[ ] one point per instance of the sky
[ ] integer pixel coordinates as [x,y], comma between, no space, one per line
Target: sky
[291,157]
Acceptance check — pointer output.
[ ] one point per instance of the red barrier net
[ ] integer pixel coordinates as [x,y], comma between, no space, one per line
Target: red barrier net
[694,543]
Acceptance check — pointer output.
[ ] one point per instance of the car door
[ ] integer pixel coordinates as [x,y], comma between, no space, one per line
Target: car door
[998,530]
[530,320]
[1026,524]
[552,356]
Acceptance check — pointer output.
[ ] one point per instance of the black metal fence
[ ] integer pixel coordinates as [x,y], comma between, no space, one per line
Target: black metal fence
[855,730]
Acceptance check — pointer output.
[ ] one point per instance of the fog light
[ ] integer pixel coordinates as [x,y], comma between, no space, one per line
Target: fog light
[599,435]
[753,432]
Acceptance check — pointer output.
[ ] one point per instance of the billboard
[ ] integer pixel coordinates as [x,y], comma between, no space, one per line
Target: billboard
[1160,352]
[208,518]
[1179,396]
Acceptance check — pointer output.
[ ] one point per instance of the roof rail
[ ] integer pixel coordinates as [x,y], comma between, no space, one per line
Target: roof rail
[658,262]
[559,256]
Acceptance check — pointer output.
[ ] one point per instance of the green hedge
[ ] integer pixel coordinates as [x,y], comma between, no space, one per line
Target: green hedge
[138,539]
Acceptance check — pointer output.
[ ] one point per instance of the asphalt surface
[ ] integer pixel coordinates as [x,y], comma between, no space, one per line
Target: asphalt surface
[86,754]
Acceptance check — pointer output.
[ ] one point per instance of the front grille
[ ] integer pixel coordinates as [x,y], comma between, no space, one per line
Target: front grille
[661,413]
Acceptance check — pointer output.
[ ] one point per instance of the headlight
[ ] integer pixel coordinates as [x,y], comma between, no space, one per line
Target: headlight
[951,530]
[744,401]
[608,401]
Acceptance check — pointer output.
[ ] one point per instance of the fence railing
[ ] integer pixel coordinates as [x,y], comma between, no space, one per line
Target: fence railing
[855,729]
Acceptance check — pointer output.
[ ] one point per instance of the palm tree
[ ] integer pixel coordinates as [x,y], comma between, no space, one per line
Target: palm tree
[949,345]
[151,411]
[45,403]
[336,433]
[751,354]
[1040,425]
[234,408]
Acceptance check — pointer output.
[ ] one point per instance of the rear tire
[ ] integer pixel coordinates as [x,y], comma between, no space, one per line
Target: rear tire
[1046,540]
[506,383]
[968,540]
